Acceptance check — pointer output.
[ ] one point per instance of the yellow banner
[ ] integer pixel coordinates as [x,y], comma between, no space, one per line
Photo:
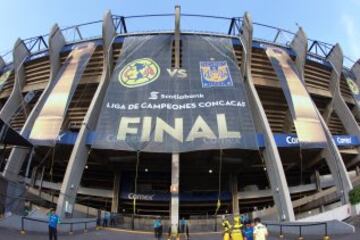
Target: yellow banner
[50,120]
[302,109]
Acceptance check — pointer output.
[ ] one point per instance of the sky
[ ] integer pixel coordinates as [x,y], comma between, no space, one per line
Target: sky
[332,21]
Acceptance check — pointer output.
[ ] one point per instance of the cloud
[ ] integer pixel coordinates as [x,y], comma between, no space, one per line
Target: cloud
[352,33]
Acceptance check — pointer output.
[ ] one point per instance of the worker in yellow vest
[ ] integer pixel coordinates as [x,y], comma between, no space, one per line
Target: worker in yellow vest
[227,228]
[236,233]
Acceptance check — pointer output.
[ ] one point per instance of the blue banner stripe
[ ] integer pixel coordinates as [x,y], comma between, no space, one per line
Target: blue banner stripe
[282,140]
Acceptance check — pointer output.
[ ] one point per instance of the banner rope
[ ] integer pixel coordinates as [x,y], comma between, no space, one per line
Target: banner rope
[136,178]
[218,203]
[301,169]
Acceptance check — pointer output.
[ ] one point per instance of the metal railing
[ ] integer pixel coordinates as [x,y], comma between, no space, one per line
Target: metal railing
[300,227]
[71,231]
[140,23]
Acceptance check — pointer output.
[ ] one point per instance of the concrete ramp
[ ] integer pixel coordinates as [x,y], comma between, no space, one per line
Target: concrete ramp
[40,224]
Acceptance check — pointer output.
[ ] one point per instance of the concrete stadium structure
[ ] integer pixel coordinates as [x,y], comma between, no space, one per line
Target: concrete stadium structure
[280,181]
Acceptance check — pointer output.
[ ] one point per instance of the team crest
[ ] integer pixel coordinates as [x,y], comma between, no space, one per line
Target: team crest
[139,73]
[353,86]
[215,74]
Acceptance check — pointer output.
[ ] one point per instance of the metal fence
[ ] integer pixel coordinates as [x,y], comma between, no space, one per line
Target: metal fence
[71,224]
[189,22]
[300,228]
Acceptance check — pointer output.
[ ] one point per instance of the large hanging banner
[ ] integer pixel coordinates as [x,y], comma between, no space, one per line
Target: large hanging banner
[353,86]
[4,77]
[306,120]
[48,124]
[150,106]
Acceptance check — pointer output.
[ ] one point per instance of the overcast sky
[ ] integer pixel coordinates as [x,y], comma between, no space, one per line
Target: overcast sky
[326,20]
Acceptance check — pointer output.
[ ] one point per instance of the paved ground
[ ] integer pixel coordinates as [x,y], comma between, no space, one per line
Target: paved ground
[124,235]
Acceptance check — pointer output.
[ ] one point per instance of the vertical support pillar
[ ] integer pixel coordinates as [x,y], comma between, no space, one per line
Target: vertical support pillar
[2,63]
[331,153]
[318,187]
[275,170]
[116,192]
[341,108]
[79,155]
[18,155]
[235,194]
[317,180]
[15,101]
[41,180]
[357,170]
[174,189]
[175,157]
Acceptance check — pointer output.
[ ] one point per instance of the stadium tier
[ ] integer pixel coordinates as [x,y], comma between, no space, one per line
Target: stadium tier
[181,123]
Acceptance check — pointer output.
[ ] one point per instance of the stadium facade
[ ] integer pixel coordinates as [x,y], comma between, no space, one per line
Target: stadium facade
[181,123]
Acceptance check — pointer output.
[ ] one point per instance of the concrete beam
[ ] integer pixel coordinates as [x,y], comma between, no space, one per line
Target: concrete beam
[174,189]
[331,152]
[16,100]
[275,170]
[2,63]
[355,69]
[175,158]
[18,155]
[340,107]
[300,45]
[79,155]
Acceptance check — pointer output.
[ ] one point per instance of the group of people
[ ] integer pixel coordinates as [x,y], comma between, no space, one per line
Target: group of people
[183,229]
[251,231]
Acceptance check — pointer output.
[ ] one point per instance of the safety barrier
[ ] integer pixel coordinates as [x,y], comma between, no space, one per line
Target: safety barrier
[300,227]
[72,223]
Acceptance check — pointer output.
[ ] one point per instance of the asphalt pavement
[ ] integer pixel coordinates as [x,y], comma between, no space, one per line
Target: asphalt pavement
[111,234]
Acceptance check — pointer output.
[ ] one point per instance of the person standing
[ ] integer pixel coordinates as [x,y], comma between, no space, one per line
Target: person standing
[227,228]
[236,233]
[260,230]
[248,231]
[184,228]
[54,220]
[106,219]
[158,228]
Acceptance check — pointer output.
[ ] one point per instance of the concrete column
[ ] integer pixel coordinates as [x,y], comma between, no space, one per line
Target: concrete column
[318,187]
[79,155]
[115,193]
[18,155]
[235,194]
[317,180]
[175,157]
[341,108]
[174,189]
[331,152]
[2,63]
[275,170]
[299,46]
[16,100]
[355,69]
